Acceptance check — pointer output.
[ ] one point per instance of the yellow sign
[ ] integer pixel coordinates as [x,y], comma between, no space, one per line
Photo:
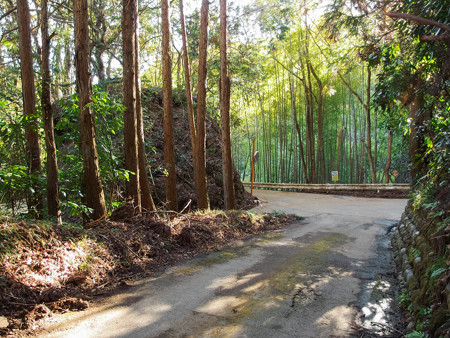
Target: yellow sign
[335,176]
[395,173]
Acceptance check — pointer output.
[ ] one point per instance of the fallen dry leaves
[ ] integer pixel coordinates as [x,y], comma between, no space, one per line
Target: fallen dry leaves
[46,268]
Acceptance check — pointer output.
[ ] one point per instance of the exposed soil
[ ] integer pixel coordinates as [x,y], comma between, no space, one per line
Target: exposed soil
[46,268]
[154,119]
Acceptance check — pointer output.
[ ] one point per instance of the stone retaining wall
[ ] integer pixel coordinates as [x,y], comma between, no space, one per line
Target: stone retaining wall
[421,260]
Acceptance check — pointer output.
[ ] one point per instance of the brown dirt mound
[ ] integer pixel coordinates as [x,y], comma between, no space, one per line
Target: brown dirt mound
[154,117]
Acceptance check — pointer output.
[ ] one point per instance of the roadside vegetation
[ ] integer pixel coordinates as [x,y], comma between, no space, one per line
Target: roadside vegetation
[47,268]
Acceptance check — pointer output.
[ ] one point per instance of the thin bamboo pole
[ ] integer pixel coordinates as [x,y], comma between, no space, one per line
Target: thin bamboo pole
[253,168]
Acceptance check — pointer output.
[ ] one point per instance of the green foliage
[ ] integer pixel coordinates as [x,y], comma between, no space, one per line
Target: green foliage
[405,299]
[15,180]
[437,269]
[14,184]
[415,334]
[280,214]
[109,127]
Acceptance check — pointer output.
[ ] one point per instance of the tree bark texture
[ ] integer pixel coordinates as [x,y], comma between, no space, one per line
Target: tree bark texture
[417,131]
[387,168]
[169,154]
[310,129]
[225,84]
[320,146]
[29,102]
[129,100]
[47,110]
[146,197]
[339,152]
[92,184]
[201,108]
[199,165]
[297,128]
[373,172]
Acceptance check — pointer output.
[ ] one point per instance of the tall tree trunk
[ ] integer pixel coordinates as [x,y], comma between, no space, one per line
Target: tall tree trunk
[375,139]
[92,184]
[366,105]
[373,172]
[227,160]
[146,197]
[339,152]
[354,172]
[320,146]
[200,154]
[68,54]
[47,110]
[29,104]
[199,164]
[416,136]
[310,130]
[362,163]
[297,128]
[98,41]
[169,155]
[387,168]
[131,148]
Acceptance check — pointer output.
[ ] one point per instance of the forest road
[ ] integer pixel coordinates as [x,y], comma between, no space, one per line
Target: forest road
[318,277]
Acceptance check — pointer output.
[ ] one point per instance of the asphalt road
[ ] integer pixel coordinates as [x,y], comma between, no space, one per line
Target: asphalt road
[320,277]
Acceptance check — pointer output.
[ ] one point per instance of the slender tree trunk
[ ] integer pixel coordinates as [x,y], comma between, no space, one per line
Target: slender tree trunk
[131,147]
[91,182]
[375,138]
[280,164]
[355,147]
[169,154]
[310,130]
[98,42]
[227,160]
[203,202]
[29,104]
[362,163]
[199,164]
[146,197]
[297,128]
[56,92]
[387,168]
[68,61]
[320,146]
[339,152]
[416,136]
[373,172]
[47,110]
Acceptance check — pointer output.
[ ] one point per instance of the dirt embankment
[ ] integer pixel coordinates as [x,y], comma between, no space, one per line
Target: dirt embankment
[46,268]
[154,120]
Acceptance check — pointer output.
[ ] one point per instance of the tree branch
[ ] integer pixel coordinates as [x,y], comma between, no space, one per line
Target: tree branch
[297,76]
[443,37]
[352,90]
[8,13]
[418,19]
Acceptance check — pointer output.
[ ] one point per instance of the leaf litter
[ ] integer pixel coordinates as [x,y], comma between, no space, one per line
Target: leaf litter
[47,268]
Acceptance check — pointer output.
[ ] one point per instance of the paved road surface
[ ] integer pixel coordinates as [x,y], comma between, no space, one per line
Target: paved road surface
[316,278]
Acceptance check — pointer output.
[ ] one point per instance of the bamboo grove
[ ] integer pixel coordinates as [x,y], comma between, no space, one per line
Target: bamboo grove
[310,109]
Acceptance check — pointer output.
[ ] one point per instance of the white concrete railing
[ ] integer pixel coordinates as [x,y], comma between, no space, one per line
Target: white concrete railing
[330,186]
